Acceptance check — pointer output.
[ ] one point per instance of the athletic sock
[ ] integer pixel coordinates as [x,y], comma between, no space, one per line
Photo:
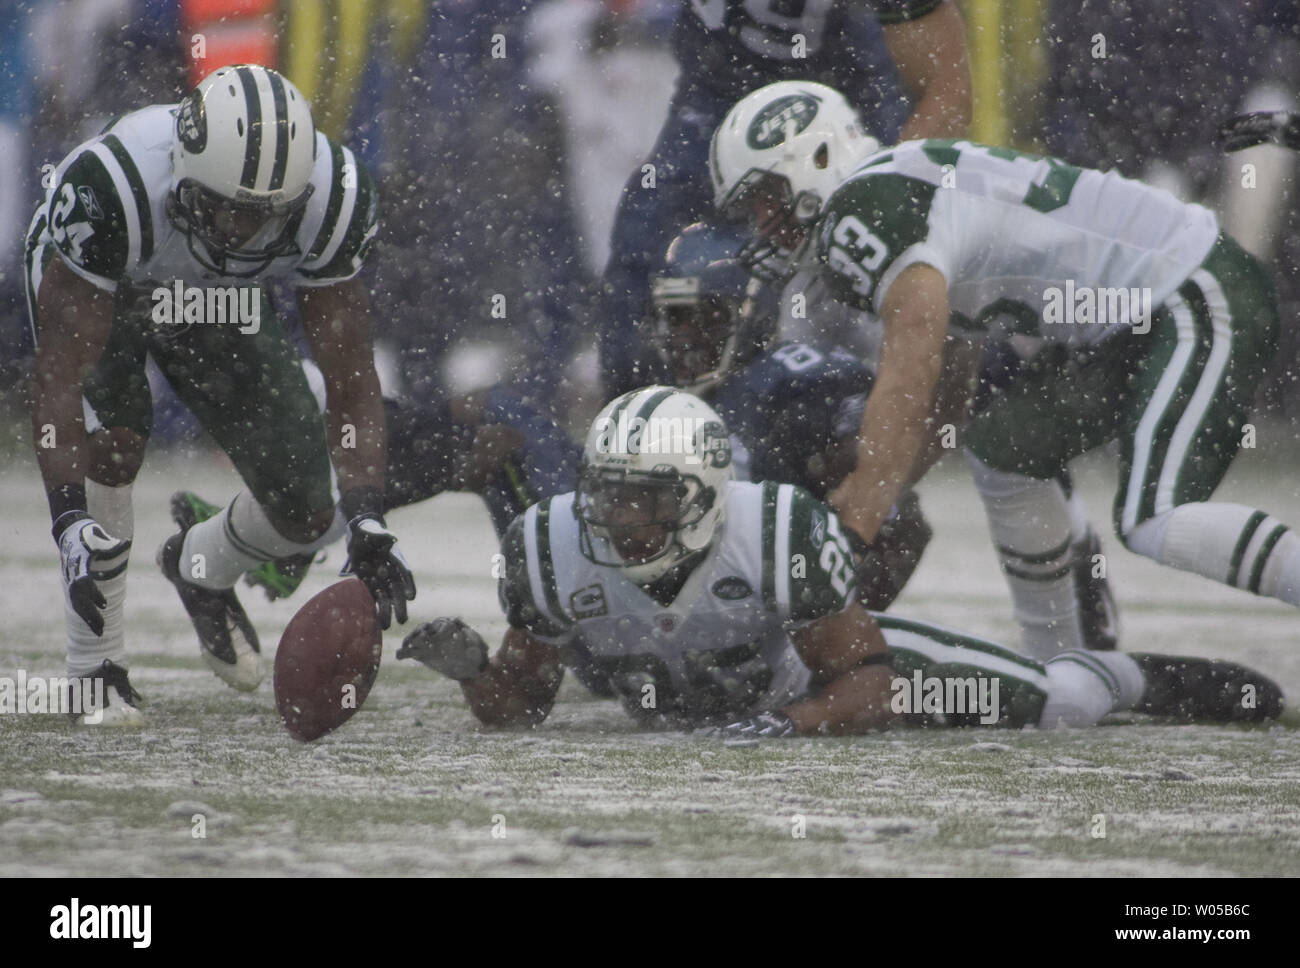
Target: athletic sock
[111,507]
[1230,543]
[1084,686]
[238,538]
[1079,527]
[1030,523]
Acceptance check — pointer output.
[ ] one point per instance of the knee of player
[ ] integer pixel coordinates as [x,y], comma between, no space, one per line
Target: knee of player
[303,527]
[1143,536]
[116,455]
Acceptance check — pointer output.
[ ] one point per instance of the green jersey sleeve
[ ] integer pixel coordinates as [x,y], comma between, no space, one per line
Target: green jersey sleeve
[526,588]
[88,222]
[808,568]
[350,224]
[871,220]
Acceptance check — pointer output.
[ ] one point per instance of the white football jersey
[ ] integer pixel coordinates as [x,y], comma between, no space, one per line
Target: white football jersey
[107,213]
[1028,245]
[721,647]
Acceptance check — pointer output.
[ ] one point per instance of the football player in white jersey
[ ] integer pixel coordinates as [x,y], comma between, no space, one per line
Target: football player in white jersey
[707,601]
[1155,328]
[153,241]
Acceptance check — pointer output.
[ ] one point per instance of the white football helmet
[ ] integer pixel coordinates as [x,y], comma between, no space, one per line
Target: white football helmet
[650,488]
[796,142]
[241,168]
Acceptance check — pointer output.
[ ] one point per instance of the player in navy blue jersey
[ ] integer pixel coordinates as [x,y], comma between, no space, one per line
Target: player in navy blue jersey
[493,443]
[877,51]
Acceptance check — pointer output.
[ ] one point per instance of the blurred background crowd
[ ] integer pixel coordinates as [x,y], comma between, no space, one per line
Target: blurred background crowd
[502,133]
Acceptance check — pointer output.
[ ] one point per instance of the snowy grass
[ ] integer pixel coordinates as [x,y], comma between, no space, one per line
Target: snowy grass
[411,786]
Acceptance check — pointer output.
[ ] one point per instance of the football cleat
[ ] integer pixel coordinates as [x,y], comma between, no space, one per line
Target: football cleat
[110,677]
[1206,690]
[1098,614]
[768,725]
[280,578]
[227,640]
[277,579]
[188,506]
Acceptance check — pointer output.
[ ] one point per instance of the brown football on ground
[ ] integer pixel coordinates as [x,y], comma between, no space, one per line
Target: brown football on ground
[327,660]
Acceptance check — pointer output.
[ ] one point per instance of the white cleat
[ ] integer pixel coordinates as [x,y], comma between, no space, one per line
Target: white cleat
[93,701]
[227,640]
[246,672]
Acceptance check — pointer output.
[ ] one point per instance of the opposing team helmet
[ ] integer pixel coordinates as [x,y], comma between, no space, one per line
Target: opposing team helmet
[650,487]
[795,142]
[242,161]
[703,307]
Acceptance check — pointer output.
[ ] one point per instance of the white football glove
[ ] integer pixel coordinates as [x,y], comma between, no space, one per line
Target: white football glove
[82,543]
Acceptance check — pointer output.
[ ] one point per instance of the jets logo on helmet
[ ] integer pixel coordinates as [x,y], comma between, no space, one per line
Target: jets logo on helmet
[241,168]
[191,125]
[715,445]
[649,494]
[768,129]
[774,161]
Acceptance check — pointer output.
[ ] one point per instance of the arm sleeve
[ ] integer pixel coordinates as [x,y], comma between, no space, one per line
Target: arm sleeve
[518,590]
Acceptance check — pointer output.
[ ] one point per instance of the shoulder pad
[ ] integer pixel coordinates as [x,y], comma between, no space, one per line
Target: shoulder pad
[349,224]
[99,214]
[526,588]
[808,568]
[870,221]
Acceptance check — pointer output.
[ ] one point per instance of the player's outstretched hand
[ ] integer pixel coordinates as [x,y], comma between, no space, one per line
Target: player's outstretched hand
[447,646]
[82,543]
[373,558]
[760,724]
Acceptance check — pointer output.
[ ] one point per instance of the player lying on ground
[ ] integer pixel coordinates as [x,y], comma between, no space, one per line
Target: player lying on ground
[707,601]
[1156,329]
[205,199]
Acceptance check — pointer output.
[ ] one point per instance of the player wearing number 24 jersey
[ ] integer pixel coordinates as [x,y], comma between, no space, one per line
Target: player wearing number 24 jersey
[1162,325]
[706,601]
[154,242]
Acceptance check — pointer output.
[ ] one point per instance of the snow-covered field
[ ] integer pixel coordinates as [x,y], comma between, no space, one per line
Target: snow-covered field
[411,786]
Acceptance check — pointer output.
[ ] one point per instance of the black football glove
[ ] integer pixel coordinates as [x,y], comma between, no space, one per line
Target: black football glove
[760,724]
[886,565]
[82,543]
[373,559]
[447,646]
